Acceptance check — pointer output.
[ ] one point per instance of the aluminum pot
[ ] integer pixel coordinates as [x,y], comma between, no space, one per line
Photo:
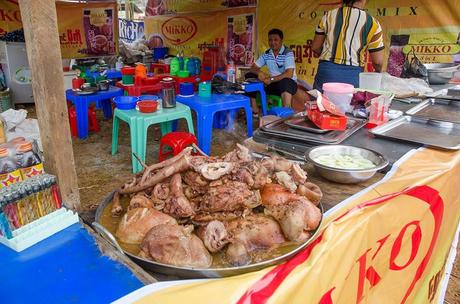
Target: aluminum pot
[187,272]
[441,73]
[103,85]
[346,176]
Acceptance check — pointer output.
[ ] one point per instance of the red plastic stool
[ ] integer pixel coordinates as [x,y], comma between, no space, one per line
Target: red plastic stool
[178,141]
[92,121]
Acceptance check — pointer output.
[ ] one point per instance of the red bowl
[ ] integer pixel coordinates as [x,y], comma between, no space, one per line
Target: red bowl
[147,106]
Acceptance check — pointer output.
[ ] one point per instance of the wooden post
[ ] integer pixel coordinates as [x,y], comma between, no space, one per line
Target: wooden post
[39,19]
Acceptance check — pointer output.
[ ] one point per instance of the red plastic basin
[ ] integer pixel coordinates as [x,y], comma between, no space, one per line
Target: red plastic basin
[147,106]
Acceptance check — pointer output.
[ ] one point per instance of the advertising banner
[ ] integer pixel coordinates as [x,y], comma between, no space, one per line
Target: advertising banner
[390,243]
[240,39]
[85,30]
[431,27]
[191,33]
[171,7]
[10,16]
[130,30]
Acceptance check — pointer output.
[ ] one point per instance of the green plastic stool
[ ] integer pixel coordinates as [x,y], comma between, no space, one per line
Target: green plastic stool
[276,101]
[139,123]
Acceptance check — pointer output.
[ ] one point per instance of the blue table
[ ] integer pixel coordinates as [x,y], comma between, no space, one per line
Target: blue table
[257,87]
[82,102]
[64,268]
[206,107]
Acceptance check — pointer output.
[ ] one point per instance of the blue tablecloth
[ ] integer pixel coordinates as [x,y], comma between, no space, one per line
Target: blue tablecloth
[64,268]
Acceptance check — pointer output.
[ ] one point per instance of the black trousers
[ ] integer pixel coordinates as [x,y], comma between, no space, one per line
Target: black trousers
[276,88]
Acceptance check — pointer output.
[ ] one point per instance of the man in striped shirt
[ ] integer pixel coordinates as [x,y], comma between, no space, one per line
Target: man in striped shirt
[343,37]
[280,63]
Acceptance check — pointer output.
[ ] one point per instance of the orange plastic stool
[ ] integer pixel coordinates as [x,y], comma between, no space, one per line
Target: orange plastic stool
[178,141]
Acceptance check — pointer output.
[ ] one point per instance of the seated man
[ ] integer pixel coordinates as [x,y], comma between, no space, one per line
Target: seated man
[281,66]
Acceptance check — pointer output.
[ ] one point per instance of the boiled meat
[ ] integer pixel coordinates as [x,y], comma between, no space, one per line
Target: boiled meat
[140,201]
[295,213]
[249,234]
[135,224]
[214,235]
[230,196]
[175,245]
[178,204]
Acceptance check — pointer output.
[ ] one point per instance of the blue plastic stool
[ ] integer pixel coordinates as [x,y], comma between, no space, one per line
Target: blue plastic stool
[281,111]
[82,102]
[207,107]
[260,88]
[225,119]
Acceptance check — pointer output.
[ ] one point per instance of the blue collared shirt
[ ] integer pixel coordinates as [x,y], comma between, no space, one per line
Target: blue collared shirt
[277,65]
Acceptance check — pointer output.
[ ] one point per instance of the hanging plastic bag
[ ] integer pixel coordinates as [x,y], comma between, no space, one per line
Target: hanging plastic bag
[414,68]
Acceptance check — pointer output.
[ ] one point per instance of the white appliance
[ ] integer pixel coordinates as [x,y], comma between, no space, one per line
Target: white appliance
[13,57]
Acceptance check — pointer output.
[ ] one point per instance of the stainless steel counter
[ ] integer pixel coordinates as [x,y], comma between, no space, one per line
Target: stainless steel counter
[392,150]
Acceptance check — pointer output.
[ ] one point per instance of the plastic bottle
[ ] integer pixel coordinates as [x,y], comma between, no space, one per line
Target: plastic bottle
[186,60]
[119,64]
[7,164]
[231,72]
[197,66]
[174,66]
[26,157]
[191,66]
[180,57]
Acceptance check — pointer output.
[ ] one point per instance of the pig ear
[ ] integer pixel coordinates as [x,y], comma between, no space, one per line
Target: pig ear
[188,229]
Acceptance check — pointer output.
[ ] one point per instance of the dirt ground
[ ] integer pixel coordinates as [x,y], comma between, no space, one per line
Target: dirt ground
[99,172]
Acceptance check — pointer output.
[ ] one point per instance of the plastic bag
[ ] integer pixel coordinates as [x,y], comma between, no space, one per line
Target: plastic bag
[402,87]
[414,68]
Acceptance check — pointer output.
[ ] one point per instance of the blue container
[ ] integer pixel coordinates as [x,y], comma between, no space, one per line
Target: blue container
[281,111]
[125,102]
[191,66]
[148,97]
[159,53]
[186,89]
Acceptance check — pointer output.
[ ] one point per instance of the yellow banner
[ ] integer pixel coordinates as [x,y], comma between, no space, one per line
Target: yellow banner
[168,7]
[432,27]
[10,16]
[192,33]
[85,30]
[387,244]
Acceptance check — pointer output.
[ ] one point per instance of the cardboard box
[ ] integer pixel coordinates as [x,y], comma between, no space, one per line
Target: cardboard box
[325,115]
[327,121]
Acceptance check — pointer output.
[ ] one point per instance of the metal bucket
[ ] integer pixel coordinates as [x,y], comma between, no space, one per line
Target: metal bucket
[187,272]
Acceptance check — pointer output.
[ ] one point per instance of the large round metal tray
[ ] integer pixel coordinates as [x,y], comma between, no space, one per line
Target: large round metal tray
[187,272]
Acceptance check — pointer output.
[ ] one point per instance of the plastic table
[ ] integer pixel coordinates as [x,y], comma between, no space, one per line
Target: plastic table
[139,123]
[206,107]
[137,90]
[67,267]
[257,87]
[82,103]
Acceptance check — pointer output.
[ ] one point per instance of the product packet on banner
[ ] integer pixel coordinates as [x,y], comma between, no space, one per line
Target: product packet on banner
[7,179]
[32,171]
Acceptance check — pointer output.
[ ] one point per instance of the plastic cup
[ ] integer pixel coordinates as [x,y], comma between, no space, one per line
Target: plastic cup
[339,94]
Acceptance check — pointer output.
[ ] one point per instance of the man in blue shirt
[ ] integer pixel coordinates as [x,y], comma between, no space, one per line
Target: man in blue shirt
[280,62]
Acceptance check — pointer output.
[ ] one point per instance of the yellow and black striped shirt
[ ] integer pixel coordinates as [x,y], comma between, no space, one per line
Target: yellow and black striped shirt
[350,32]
